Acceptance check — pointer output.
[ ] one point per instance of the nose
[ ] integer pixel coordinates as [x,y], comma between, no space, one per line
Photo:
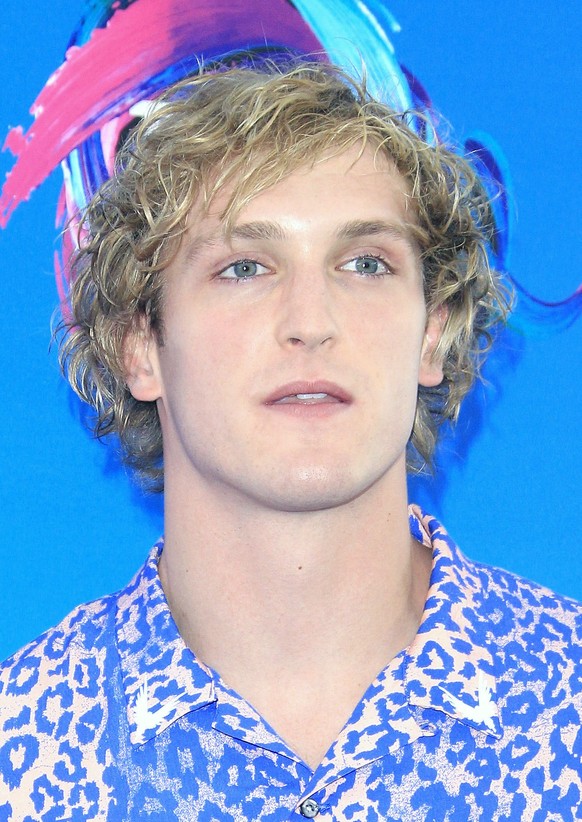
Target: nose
[307,313]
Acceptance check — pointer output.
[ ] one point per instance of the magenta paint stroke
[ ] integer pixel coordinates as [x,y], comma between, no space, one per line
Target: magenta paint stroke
[136,51]
[125,62]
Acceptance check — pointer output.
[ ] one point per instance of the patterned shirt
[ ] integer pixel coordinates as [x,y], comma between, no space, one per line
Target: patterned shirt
[110,716]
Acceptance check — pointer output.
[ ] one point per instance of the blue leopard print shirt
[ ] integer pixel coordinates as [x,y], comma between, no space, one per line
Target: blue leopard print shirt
[110,716]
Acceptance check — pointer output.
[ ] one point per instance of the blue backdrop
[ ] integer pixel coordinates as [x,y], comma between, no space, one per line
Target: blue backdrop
[76,527]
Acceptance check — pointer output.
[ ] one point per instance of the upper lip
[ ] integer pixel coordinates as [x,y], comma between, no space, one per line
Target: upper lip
[309,387]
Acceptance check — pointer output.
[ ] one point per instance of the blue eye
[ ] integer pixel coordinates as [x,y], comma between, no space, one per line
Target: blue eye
[367,265]
[243,270]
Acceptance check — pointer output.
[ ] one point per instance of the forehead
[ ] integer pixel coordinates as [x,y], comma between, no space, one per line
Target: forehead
[362,174]
[340,199]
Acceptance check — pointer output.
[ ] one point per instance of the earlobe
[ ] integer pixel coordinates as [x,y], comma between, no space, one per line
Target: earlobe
[431,361]
[141,364]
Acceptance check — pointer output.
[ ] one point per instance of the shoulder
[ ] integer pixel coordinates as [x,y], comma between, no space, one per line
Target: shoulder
[519,606]
[54,697]
[78,640]
[506,606]
[536,635]
[510,605]
[526,641]
[532,635]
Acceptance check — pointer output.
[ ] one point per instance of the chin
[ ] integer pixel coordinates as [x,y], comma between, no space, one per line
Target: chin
[313,489]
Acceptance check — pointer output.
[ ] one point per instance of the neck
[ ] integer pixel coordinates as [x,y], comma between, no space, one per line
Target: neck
[312,597]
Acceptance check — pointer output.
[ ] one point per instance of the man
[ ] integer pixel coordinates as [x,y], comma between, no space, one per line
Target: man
[289,290]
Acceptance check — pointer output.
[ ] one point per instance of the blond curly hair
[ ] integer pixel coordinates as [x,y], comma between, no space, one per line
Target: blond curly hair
[247,129]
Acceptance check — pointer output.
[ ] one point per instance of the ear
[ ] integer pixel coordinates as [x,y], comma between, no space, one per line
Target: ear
[431,359]
[140,349]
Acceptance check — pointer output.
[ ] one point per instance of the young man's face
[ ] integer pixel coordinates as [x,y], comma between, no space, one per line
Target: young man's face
[293,350]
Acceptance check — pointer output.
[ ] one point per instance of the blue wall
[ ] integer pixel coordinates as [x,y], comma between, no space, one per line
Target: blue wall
[75,527]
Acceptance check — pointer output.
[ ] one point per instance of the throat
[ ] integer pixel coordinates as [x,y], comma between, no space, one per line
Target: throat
[310,718]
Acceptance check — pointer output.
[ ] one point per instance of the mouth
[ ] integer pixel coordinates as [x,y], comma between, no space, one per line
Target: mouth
[310,399]
[320,392]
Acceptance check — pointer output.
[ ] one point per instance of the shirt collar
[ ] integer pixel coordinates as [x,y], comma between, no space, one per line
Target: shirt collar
[162,679]
[448,669]
[451,664]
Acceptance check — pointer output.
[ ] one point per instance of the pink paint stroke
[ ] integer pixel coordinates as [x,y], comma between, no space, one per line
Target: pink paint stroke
[94,82]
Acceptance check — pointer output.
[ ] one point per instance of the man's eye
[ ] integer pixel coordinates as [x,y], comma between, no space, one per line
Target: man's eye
[367,265]
[243,269]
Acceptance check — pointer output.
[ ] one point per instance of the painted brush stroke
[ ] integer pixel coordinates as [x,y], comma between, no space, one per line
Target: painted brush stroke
[124,52]
[129,60]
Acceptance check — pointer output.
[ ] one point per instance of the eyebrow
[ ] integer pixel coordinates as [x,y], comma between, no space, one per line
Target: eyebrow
[259,230]
[352,230]
[267,230]
[355,229]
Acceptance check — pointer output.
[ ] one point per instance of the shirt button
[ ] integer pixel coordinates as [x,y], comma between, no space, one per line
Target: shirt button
[309,808]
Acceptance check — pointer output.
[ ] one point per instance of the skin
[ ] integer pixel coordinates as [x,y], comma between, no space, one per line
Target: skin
[286,517]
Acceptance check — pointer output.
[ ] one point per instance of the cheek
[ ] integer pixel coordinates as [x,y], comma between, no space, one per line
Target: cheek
[397,335]
[203,355]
